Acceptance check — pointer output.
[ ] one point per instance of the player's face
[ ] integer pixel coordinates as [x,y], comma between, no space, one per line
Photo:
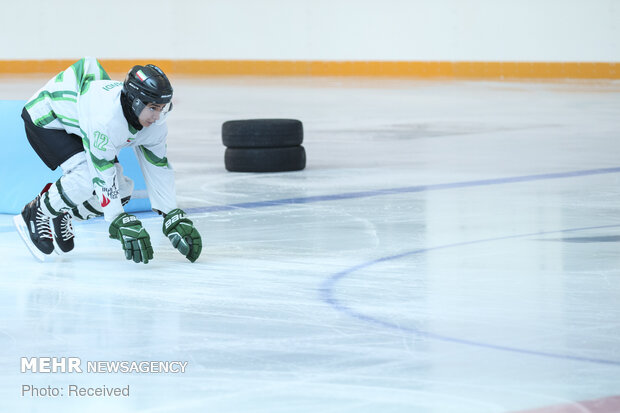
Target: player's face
[151,114]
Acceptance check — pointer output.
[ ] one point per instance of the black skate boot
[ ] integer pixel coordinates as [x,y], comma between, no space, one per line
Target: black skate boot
[63,233]
[34,228]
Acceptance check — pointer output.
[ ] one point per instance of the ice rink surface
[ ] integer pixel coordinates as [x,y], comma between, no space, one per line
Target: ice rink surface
[452,246]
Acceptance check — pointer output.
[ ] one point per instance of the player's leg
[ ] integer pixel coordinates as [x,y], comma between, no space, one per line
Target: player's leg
[72,196]
[91,208]
[54,147]
[65,195]
[73,183]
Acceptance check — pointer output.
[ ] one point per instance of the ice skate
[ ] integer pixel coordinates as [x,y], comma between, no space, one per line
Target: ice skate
[34,228]
[63,234]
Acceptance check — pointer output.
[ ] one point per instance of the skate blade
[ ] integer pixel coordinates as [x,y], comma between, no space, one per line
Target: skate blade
[22,230]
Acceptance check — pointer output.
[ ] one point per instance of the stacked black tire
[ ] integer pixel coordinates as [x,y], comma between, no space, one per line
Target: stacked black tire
[263,145]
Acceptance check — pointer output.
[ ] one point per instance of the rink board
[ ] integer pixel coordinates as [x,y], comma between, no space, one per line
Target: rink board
[23,174]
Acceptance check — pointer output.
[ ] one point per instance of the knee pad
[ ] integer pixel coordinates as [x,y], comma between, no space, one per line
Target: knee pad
[73,188]
[77,183]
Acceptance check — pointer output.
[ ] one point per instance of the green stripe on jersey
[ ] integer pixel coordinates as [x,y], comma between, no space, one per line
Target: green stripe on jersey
[86,83]
[83,79]
[152,158]
[67,95]
[101,164]
[45,120]
[51,116]
[68,121]
[78,69]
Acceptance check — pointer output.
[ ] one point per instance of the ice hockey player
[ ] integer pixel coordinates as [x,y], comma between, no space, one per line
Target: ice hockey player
[80,120]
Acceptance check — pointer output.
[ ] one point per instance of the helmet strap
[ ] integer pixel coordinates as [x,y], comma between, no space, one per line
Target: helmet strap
[128,111]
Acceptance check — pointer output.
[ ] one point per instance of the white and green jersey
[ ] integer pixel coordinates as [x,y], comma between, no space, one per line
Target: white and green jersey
[84,101]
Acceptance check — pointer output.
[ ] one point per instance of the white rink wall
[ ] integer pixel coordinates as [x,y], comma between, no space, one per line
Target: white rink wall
[333,30]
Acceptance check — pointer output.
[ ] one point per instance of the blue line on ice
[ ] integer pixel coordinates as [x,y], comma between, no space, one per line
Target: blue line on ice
[376,192]
[402,190]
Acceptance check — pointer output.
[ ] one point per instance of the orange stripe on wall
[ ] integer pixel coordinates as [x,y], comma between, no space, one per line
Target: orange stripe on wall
[460,70]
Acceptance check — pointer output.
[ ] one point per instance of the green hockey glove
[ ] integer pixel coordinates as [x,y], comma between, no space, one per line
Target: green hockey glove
[182,233]
[134,238]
